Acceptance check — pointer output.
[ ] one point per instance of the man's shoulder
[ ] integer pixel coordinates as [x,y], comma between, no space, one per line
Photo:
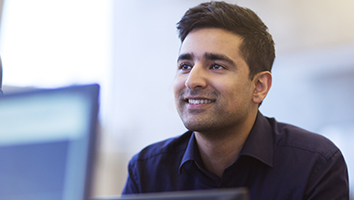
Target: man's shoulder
[293,137]
[166,147]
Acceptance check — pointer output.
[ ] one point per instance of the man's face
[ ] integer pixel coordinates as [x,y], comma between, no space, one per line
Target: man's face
[212,88]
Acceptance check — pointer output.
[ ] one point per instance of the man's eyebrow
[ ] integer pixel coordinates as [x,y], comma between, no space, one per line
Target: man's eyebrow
[185,56]
[215,56]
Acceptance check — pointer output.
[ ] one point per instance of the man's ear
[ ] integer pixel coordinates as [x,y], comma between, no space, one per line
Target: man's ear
[262,83]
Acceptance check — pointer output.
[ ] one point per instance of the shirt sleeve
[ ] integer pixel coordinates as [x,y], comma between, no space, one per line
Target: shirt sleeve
[330,181]
[131,186]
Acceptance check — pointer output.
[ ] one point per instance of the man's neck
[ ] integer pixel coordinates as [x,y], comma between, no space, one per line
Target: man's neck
[218,153]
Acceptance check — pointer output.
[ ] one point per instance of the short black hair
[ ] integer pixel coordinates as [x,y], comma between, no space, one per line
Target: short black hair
[257,46]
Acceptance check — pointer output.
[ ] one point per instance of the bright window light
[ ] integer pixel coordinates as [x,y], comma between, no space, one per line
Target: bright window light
[48,44]
[54,43]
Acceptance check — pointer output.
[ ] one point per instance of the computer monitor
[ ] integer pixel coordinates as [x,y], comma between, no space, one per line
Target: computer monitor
[211,194]
[47,143]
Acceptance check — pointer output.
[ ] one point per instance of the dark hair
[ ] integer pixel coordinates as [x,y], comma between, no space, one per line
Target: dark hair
[257,47]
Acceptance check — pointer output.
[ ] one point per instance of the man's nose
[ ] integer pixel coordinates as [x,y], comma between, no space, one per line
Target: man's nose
[196,78]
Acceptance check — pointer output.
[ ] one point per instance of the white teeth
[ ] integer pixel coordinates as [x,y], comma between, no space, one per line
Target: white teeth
[198,101]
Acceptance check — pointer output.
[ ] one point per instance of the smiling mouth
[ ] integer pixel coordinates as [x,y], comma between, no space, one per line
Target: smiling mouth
[199,101]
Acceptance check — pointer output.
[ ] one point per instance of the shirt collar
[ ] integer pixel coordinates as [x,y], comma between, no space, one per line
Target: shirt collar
[190,153]
[259,144]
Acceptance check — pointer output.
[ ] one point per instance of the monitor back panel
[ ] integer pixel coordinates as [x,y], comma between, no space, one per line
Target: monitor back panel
[212,194]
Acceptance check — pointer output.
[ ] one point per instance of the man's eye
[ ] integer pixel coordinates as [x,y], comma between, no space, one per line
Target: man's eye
[185,66]
[216,66]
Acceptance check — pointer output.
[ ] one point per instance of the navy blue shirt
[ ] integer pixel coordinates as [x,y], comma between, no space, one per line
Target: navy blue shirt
[277,161]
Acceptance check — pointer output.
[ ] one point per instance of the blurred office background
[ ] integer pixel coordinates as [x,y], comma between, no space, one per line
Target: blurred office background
[130,48]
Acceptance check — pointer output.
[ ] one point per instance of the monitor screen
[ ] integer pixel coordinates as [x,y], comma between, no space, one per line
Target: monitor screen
[47,143]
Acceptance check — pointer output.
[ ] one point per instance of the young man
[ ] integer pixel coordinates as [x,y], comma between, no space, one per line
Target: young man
[223,75]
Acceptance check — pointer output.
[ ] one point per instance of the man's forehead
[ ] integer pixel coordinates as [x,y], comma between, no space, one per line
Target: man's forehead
[199,32]
[211,35]
[208,42]
[206,56]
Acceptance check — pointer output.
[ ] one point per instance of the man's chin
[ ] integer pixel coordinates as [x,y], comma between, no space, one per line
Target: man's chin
[199,127]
